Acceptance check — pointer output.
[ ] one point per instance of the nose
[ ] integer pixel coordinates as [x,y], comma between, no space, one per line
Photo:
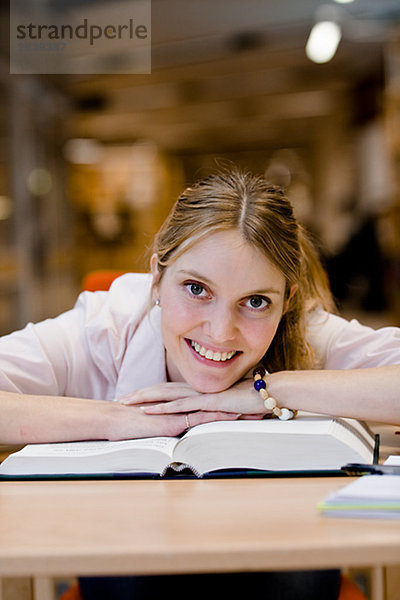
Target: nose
[221,323]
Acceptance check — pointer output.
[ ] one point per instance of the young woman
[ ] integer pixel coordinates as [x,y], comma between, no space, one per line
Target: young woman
[234,283]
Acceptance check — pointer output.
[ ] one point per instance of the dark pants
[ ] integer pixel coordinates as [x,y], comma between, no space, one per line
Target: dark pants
[283,585]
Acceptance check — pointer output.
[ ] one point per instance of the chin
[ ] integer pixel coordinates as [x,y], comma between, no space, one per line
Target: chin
[209,386]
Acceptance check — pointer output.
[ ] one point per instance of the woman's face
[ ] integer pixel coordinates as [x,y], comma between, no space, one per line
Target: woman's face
[221,303]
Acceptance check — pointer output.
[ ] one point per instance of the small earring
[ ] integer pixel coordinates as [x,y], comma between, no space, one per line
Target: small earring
[157,302]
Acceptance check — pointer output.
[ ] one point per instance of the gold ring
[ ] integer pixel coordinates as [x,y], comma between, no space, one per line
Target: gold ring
[187,421]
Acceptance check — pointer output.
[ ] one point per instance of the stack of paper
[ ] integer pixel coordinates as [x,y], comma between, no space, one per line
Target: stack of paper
[370,496]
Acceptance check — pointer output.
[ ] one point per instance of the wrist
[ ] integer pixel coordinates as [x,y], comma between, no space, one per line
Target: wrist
[261,384]
[110,421]
[282,387]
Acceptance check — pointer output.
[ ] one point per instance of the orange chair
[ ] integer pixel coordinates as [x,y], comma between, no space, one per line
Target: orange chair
[100,279]
[72,593]
[349,590]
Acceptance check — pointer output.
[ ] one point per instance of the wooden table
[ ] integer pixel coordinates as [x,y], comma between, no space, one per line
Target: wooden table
[144,527]
[67,528]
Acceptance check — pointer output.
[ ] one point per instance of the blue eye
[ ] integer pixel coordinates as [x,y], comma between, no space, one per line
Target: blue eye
[195,289]
[258,303]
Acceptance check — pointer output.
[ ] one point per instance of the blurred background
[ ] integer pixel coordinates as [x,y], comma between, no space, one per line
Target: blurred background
[90,164]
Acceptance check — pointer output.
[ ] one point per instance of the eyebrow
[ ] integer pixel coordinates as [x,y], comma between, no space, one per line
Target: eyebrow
[201,277]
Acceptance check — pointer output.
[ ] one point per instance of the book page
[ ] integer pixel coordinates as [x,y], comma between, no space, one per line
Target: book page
[370,496]
[355,435]
[370,488]
[76,449]
[393,459]
[141,455]
[303,444]
[305,423]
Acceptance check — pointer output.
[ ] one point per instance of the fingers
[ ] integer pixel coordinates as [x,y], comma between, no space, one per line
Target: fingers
[257,417]
[179,406]
[197,418]
[227,401]
[130,423]
[162,392]
[173,398]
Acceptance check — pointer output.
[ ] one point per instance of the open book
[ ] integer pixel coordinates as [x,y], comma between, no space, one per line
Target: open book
[307,443]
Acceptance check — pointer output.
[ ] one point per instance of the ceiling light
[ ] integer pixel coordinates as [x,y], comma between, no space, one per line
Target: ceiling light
[323,41]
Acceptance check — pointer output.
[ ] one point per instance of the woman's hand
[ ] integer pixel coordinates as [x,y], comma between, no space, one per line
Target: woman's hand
[160,392]
[172,398]
[132,422]
[43,419]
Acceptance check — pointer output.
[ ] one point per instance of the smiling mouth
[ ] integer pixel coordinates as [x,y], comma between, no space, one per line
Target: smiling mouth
[210,354]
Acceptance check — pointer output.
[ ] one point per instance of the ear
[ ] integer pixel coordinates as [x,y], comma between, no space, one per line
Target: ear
[154,268]
[292,292]
[156,277]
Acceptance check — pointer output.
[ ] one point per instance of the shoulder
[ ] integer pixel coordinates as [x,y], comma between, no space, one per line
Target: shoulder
[128,297]
[116,314]
[344,344]
[111,319]
[132,284]
[80,352]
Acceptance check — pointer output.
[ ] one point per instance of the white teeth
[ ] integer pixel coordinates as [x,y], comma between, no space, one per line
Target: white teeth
[216,356]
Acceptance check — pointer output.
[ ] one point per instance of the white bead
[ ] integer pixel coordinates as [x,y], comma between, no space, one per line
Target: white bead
[286,414]
[270,403]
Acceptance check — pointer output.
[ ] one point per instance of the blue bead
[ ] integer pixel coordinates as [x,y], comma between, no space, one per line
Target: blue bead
[259,384]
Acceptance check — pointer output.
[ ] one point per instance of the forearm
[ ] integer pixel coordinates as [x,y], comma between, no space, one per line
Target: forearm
[366,394]
[34,419]
[27,419]
[370,394]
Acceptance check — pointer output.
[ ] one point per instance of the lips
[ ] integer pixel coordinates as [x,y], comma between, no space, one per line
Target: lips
[215,356]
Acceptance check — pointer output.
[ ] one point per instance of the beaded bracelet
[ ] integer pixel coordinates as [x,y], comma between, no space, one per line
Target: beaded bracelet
[260,385]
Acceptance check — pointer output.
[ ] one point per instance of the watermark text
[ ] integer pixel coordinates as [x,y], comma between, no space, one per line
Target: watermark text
[84,31]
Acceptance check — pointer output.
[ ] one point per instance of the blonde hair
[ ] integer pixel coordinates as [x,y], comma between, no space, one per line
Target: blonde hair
[264,216]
